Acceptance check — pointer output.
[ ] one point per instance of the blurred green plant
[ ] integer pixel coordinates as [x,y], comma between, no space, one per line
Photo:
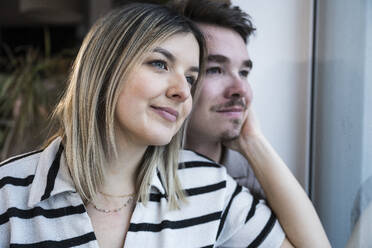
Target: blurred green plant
[30,86]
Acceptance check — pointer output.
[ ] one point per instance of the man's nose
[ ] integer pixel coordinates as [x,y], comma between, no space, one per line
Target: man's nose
[236,88]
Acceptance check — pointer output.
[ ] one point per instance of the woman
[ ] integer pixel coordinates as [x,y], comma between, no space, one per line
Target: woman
[110,177]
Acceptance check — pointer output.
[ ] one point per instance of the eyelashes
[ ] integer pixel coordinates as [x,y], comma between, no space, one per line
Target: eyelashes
[159,64]
[244,73]
[162,65]
[215,70]
[191,80]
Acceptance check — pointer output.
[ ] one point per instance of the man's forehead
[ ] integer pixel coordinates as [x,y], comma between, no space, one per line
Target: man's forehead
[224,44]
[213,32]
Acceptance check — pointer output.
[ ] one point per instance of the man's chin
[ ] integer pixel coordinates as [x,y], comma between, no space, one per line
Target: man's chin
[229,135]
[233,131]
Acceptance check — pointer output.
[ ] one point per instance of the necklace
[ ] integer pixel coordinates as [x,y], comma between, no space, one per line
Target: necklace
[108,211]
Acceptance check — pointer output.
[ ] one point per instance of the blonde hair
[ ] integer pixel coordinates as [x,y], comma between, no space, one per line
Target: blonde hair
[110,51]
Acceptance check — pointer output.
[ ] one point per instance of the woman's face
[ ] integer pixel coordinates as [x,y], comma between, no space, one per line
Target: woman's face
[155,98]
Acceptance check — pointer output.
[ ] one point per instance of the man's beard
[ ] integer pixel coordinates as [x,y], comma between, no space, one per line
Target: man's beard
[236,124]
[233,132]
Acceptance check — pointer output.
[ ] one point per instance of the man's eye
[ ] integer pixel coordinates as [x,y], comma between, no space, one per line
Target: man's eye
[159,64]
[190,79]
[244,73]
[214,70]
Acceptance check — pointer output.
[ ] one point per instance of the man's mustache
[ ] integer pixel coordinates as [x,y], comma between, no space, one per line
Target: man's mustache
[231,103]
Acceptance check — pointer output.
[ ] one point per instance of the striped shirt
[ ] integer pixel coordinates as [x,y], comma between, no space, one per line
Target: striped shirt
[239,168]
[40,207]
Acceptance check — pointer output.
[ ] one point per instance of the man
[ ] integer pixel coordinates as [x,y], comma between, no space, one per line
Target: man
[222,120]
[226,95]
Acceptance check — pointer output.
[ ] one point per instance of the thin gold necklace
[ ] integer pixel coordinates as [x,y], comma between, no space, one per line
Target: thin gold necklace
[126,203]
[108,211]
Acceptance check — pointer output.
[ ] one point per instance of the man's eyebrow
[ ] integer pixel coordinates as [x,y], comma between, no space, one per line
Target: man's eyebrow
[222,59]
[165,52]
[217,58]
[248,63]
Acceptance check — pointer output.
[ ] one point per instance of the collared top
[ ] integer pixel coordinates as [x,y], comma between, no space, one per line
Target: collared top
[40,207]
[238,167]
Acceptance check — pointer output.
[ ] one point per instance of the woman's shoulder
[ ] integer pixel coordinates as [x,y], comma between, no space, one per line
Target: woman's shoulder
[18,172]
[196,171]
[16,177]
[19,165]
[195,163]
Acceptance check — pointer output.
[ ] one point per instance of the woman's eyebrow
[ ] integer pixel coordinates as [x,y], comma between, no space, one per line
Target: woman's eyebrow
[194,69]
[165,52]
[171,57]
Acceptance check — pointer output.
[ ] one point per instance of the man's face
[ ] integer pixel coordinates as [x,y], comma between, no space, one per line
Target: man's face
[225,95]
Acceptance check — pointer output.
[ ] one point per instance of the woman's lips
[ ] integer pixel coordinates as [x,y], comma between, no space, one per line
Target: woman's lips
[168,114]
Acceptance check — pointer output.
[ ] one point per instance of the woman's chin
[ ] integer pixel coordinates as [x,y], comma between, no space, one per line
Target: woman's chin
[161,142]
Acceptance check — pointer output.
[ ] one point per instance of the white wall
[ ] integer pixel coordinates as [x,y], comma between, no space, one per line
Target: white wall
[281,53]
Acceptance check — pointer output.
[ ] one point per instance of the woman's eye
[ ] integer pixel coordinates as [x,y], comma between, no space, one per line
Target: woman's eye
[214,70]
[159,64]
[191,80]
[244,73]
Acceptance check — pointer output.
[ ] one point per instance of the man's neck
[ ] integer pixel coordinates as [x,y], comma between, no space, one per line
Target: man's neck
[209,148]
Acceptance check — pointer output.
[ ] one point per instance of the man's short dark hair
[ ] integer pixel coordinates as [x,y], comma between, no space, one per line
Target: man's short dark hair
[219,14]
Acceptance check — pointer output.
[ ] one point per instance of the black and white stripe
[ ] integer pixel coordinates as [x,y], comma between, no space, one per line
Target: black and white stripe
[19,157]
[30,215]
[52,174]
[38,211]
[16,181]
[178,224]
[245,220]
[238,189]
[42,209]
[70,242]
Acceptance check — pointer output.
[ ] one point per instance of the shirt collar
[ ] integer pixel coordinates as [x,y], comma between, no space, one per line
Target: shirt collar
[187,155]
[52,175]
[191,155]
